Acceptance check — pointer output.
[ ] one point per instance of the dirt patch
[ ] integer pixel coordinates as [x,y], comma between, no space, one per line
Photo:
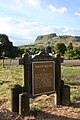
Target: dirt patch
[51,112]
[71,63]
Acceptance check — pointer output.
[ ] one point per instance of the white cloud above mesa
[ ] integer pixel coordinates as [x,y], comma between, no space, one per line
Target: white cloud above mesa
[59,10]
[18,6]
[22,32]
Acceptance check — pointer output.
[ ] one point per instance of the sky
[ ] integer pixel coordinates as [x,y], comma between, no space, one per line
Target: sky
[24,20]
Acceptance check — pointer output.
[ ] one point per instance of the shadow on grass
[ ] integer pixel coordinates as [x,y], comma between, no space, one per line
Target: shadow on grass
[4,82]
[76,104]
[73,83]
[37,115]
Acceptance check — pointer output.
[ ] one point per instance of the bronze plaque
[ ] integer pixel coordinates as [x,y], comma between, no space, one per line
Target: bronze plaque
[43,77]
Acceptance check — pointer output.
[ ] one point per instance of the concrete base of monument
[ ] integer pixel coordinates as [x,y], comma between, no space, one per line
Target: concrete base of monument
[63,98]
[57,99]
[24,104]
[66,95]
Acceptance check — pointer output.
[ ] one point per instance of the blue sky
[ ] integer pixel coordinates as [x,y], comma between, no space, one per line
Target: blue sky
[24,20]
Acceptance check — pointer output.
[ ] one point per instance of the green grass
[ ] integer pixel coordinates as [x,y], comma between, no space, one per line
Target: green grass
[10,76]
[71,76]
[38,106]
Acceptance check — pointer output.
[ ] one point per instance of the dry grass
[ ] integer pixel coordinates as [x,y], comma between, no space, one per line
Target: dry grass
[9,76]
[43,106]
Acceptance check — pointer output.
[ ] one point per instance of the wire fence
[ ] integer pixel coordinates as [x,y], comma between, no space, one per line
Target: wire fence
[9,62]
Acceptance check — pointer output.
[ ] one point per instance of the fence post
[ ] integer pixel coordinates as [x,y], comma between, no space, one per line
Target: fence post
[15,91]
[65,95]
[58,80]
[26,74]
[3,62]
[24,97]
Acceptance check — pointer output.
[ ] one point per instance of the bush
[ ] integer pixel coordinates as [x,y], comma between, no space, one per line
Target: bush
[60,47]
[73,53]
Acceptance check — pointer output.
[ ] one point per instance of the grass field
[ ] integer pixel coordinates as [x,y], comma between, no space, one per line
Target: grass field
[71,76]
[11,75]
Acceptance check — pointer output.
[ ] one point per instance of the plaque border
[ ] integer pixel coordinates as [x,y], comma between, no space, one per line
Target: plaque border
[33,94]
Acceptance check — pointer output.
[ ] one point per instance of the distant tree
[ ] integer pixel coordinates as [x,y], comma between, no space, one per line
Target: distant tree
[52,48]
[20,52]
[4,40]
[73,53]
[70,46]
[69,54]
[42,49]
[76,53]
[26,50]
[48,49]
[13,52]
[60,47]
[7,47]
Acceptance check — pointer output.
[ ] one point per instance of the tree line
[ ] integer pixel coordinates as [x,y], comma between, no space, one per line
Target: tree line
[8,50]
[69,52]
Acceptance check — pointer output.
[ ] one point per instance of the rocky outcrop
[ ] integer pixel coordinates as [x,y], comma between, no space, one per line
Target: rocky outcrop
[46,37]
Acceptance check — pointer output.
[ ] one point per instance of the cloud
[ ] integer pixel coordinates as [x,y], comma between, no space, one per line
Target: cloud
[28,2]
[19,7]
[22,32]
[59,10]
[34,2]
[77,13]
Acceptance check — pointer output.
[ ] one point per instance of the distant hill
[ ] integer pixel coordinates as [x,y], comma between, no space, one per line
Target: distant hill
[51,39]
